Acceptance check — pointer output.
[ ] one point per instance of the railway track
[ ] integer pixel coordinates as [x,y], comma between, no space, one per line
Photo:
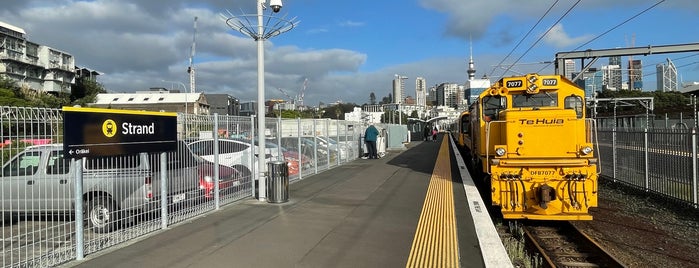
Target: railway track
[562,245]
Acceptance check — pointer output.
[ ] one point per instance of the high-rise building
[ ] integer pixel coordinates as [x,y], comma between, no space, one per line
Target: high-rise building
[432,95]
[594,80]
[399,88]
[420,91]
[569,68]
[667,76]
[615,73]
[608,78]
[448,94]
[635,74]
[36,66]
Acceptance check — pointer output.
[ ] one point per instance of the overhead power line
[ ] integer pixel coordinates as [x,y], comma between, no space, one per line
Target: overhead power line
[613,28]
[543,35]
[523,37]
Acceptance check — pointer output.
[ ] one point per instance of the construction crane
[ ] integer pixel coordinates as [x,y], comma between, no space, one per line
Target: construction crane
[303,90]
[285,94]
[190,69]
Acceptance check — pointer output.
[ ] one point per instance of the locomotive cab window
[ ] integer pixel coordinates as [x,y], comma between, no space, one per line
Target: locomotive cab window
[541,99]
[465,124]
[492,105]
[576,103]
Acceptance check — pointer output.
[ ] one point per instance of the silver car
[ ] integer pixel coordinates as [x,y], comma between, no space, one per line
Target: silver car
[40,181]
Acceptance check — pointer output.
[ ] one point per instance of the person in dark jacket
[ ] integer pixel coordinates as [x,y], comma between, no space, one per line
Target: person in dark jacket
[427,132]
[370,136]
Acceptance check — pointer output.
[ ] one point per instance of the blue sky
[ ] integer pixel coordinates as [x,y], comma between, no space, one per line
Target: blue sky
[346,49]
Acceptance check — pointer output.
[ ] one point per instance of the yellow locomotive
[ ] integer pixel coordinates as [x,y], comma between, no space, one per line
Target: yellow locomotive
[528,136]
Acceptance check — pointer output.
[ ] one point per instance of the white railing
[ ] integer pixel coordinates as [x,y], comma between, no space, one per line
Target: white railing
[121,196]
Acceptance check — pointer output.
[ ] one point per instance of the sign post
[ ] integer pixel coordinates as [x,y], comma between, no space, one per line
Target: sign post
[89,132]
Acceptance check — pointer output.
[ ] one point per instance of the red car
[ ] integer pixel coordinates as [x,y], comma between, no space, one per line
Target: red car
[292,161]
[230,179]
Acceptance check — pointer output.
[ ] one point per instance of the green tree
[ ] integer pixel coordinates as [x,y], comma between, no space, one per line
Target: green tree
[372,98]
[85,91]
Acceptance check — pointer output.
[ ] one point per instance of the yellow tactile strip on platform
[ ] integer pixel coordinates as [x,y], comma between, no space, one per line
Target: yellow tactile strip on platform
[435,243]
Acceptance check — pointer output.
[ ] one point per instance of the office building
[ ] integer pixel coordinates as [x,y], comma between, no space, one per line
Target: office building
[666,76]
[635,74]
[614,80]
[223,104]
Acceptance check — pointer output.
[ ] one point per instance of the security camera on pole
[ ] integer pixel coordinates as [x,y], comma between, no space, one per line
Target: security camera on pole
[261,32]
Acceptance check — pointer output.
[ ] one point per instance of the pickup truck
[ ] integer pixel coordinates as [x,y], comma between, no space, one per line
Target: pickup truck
[40,181]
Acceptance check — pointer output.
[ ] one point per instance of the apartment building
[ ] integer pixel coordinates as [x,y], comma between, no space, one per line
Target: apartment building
[36,66]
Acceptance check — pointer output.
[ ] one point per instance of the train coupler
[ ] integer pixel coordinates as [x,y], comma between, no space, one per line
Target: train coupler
[546,194]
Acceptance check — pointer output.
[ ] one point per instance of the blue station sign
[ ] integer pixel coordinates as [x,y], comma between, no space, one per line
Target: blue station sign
[109,132]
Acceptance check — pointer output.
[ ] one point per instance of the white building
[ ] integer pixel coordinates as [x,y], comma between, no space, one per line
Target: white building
[36,66]
[667,76]
[399,89]
[358,115]
[157,99]
[450,94]
[475,87]
[420,91]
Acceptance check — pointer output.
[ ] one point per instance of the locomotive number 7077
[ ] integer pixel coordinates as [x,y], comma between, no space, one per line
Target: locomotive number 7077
[514,83]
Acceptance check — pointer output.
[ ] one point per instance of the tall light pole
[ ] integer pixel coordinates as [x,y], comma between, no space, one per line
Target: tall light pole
[261,32]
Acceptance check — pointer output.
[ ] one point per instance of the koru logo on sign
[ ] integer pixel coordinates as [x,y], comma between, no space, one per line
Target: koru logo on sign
[109,128]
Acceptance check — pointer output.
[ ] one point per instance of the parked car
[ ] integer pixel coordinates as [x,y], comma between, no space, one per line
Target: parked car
[310,148]
[342,150]
[41,181]
[292,158]
[233,153]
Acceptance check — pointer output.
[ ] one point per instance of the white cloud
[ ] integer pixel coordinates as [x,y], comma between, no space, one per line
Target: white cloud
[349,23]
[558,37]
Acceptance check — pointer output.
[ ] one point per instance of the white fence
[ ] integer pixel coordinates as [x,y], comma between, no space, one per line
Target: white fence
[127,197]
[123,197]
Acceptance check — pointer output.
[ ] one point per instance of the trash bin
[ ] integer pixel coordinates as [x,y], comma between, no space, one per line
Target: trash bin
[277,182]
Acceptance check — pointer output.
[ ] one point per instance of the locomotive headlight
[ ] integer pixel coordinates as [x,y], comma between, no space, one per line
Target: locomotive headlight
[532,79]
[586,150]
[500,151]
[532,88]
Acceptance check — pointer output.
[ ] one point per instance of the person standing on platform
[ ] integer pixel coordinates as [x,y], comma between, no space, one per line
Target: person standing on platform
[427,132]
[434,134]
[370,136]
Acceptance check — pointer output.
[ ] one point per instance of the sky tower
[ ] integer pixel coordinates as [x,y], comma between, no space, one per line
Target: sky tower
[471,66]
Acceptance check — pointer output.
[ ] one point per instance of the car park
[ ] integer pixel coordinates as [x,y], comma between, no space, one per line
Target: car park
[311,148]
[41,181]
[292,158]
[235,153]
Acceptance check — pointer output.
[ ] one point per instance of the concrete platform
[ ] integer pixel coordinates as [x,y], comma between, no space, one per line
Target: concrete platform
[368,213]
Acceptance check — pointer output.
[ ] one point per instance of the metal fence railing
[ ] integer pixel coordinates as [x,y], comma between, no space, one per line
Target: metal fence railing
[123,198]
[126,197]
[663,161]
